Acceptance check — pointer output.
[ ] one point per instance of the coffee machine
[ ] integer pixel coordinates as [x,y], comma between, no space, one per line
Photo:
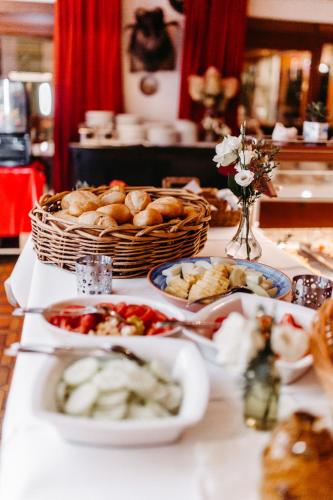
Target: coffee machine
[15,145]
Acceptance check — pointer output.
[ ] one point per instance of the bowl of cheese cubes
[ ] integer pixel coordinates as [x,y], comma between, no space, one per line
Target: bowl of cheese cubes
[185,281]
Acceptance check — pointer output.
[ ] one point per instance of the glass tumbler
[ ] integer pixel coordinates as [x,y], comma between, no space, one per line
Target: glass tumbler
[94,274]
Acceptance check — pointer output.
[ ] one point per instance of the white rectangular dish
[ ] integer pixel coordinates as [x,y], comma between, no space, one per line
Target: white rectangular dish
[186,366]
[248,304]
[62,335]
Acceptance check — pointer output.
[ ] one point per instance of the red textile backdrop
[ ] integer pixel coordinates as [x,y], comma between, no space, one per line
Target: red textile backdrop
[87,70]
[214,36]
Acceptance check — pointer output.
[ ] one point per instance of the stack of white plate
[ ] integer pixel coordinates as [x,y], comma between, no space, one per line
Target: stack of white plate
[187,130]
[131,133]
[101,119]
[127,119]
[162,135]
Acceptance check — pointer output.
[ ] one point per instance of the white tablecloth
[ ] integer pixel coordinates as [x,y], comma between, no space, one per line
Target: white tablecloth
[38,465]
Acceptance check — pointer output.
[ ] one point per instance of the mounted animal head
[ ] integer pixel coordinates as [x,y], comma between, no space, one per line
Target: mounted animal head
[150,46]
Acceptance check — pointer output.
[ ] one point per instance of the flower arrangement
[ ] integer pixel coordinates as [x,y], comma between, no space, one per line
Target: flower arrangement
[213,92]
[249,164]
[315,127]
[316,112]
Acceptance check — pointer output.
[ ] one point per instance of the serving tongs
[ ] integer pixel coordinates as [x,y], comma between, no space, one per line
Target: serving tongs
[306,249]
[73,351]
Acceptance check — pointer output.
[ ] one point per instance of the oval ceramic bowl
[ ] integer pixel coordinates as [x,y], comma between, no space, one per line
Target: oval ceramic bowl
[247,304]
[187,367]
[63,335]
[158,280]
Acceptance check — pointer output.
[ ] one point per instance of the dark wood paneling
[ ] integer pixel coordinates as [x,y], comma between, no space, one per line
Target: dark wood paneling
[284,35]
[296,214]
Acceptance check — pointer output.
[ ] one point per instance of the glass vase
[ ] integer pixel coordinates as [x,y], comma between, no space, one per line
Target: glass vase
[261,392]
[244,244]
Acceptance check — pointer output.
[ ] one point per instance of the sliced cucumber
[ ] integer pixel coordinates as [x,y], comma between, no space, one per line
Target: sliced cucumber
[159,370]
[174,397]
[147,411]
[116,413]
[111,379]
[80,371]
[81,399]
[108,400]
[143,384]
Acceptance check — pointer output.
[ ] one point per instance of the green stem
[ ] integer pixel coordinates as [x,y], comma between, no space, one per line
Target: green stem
[247,223]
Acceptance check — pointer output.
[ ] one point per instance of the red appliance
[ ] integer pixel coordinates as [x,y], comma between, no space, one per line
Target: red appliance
[20,188]
[21,182]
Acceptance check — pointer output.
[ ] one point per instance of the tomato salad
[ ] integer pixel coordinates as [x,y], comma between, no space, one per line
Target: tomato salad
[137,320]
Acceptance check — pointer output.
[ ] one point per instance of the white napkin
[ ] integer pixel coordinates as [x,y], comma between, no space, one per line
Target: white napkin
[282,133]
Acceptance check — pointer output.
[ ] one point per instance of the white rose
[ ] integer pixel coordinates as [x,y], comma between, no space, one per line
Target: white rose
[246,156]
[237,342]
[227,151]
[289,343]
[244,177]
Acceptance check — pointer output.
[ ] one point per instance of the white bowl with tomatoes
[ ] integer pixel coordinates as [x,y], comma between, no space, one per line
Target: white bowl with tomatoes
[136,311]
[283,312]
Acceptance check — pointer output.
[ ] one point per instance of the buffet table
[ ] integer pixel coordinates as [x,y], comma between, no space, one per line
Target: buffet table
[38,465]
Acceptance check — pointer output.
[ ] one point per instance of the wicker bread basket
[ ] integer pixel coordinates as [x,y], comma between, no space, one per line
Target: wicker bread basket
[134,250]
[322,346]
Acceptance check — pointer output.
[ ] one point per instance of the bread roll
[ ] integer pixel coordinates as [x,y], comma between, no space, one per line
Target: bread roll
[118,187]
[78,202]
[168,206]
[119,212]
[190,211]
[298,461]
[112,196]
[63,214]
[137,201]
[148,217]
[93,218]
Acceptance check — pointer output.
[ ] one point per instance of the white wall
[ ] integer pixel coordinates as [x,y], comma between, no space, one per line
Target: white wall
[163,105]
[314,11]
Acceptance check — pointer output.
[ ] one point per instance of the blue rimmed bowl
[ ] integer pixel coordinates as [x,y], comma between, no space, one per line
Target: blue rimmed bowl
[158,281]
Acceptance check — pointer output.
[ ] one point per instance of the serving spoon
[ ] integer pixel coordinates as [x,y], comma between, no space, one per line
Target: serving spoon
[67,311]
[212,298]
[64,350]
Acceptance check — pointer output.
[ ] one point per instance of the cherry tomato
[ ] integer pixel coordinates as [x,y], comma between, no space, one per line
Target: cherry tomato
[153,330]
[220,319]
[131,310]
[87,322]
[121,308]
[288,319]
[159,316]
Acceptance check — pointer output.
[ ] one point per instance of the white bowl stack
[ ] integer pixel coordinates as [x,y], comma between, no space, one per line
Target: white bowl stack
[187,130]
[99,119]
[129,129]
[162,135]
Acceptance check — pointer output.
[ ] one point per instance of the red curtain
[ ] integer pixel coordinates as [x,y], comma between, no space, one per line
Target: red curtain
[214,36]
[87,70]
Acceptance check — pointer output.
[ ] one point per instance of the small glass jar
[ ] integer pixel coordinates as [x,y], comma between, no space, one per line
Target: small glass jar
[94,274]
[261,391]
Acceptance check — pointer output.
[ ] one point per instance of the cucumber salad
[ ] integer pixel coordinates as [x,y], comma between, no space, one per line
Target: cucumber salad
[117,388]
